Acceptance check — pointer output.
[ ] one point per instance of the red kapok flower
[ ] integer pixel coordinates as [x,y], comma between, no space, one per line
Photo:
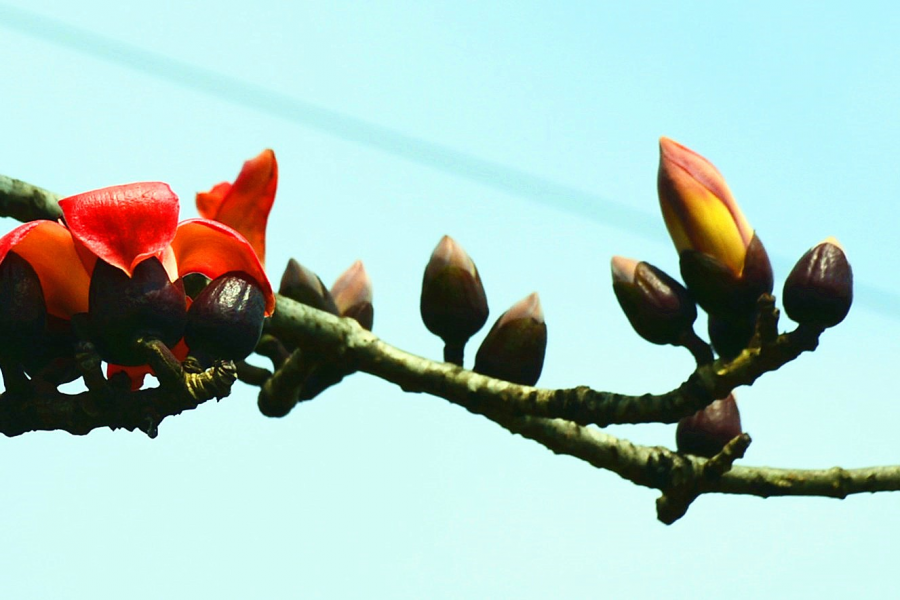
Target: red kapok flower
[127,224]
[133,229]
[245,204]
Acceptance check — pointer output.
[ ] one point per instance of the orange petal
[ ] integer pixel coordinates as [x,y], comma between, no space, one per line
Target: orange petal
[50,249]
[209,203]
[123,224]
[245,205]
[213,249]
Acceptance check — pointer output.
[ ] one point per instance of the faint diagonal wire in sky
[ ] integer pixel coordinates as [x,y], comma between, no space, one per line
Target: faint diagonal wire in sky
[420,151]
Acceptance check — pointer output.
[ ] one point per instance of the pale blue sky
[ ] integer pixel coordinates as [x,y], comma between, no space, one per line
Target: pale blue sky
[369,492]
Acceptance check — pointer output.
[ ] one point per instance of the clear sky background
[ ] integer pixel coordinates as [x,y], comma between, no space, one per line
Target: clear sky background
[528,131]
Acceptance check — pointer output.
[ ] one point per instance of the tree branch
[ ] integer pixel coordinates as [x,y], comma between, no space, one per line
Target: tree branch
[349,344]
[39,406]
[654,467]
[25,202]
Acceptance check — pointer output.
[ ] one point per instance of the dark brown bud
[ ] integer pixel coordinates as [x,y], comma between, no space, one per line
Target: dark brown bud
[514,348]
[23,311]
[302,285]
[659,308]
[352,293]
[722,292]
[819,290]
[124,309]
[225,321]
[706,432]
[453,304]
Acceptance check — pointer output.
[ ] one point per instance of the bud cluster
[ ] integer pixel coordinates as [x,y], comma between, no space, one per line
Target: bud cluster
[350,297]
[454,308]
[726,270]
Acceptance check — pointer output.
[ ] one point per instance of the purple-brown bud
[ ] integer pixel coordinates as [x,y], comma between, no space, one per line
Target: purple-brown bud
[659,308]
[352,293]
[302,285]
[819,290]
[514,348]
[453,304]
[707,431]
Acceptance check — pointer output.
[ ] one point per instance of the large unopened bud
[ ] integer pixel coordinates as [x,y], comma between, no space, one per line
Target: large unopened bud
[302,285]
[225,320]
[707,431]
[352,293]
[723,262]
[819,290]
[514,348]
[124,309]
[453,304]
[659,308]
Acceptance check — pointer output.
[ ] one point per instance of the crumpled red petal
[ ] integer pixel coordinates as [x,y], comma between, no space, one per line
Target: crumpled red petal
[245,205]
[50,250]
[124,224]
[213,249]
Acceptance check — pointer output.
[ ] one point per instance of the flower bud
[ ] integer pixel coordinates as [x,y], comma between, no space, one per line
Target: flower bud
[723,262]
[302,285]
[819,290]
[123,309]
[706,432]
[23,311]
[352,293]
[225,321]
[453,304]
[514,348]
[659,308]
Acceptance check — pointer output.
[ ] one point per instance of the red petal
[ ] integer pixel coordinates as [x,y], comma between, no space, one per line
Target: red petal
[245,205]
[213,249]
[124,224]
[50,249]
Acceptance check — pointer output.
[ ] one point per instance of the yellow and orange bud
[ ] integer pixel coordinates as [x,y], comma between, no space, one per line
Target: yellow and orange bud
[723,262]
[698,207]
